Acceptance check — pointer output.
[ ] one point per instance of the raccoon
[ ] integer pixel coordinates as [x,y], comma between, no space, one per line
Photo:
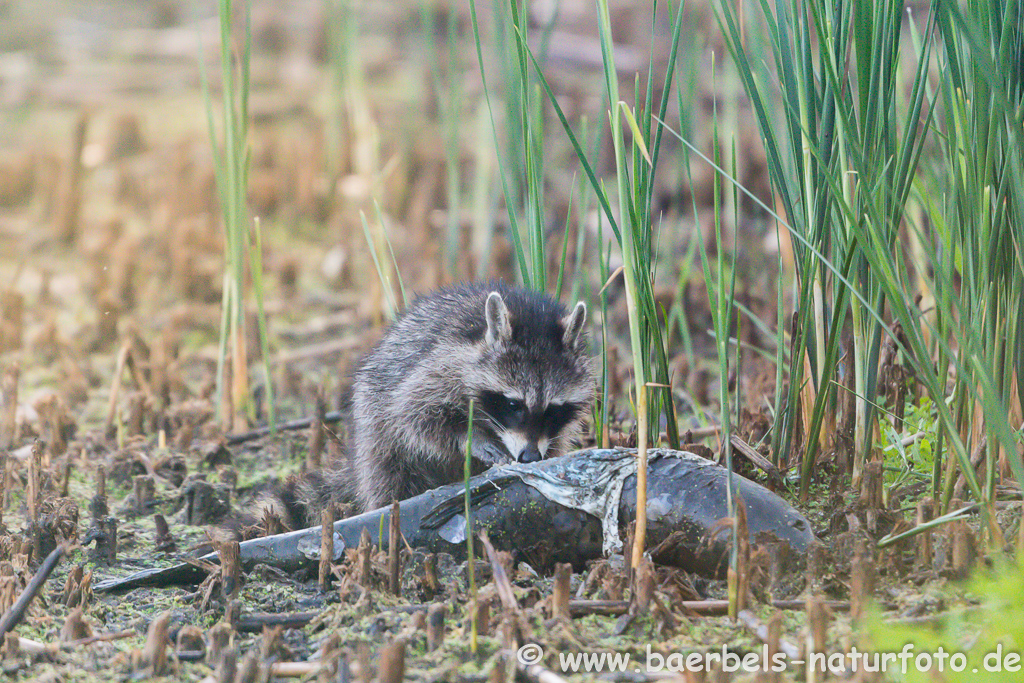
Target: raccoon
[518,355]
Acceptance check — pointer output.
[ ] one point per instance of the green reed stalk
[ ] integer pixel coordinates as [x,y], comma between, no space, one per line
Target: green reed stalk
[846,151]
[634,184]
[841,160]
[231,163]
[467,475]
[505,160]
[448,100]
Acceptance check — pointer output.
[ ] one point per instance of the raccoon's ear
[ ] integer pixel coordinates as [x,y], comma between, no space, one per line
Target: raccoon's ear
[573,324]
[499,324]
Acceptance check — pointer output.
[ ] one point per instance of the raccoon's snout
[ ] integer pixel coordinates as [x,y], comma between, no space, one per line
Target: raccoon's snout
[529,454]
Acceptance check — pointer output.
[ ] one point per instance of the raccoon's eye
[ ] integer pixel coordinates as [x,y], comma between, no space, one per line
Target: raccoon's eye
[507,411]
[515,407]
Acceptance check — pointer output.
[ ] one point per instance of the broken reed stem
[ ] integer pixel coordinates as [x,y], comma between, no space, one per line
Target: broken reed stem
[331,658]
[391,668]
[219,639]
[154,653]
[431,585]
[70,187]
[644,583]
[230,568]
[326,546]
[482,613]
[8,406]
[815,567]
[560,592]
[742,574]
[77,589]
[962,548]
[233,613]
[317,433]
[73,580]
[761,630]
[363,667]
[3,485]
[773,641]
[435,626]
[394,542]
[862,579]
[66,478]
[640,533]
[228,667]
[925,510]
[136,413]
[871,493]
[115,386]
[818,617]
[75,629]
[498,671]
[144,489]
[164,541]
[363,553]
[98,505]
[249,670]
[32,493]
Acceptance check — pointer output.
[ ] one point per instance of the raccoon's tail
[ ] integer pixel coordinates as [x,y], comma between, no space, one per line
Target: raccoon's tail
[300,500]
[296,503]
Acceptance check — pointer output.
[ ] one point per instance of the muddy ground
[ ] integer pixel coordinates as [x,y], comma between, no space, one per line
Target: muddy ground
[110,284]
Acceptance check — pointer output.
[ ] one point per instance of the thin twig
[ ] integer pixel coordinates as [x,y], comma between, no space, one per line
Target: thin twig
[293,425]
[14,615]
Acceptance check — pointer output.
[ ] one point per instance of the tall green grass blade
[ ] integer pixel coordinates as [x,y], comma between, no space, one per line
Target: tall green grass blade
[256,254]
[382,274]
[467,475]
[506,188]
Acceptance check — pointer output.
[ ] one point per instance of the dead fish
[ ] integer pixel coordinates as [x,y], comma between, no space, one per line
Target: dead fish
[568,509]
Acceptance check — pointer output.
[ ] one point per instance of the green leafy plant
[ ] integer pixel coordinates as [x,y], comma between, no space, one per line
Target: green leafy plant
[982,635]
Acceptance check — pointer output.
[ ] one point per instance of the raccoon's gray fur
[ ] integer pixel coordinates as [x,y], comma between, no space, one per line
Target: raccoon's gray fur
[518,354]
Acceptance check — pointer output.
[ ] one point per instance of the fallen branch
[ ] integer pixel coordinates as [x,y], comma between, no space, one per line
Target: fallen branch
[14,615]
[612,608]
[757,460]
[34,647]
[592,492]
[290,426]
[254,623]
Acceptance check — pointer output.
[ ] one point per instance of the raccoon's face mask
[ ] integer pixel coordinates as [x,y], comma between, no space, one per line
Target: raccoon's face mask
[526,432]
[531,401]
